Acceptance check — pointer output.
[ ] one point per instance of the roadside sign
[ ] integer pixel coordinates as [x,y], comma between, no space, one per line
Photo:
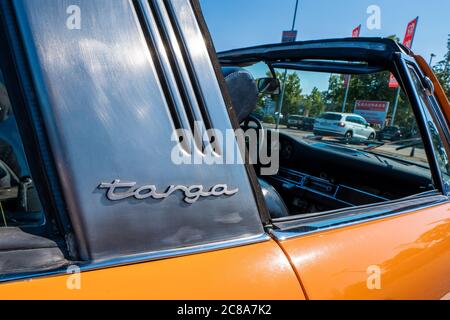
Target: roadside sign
[375,112]
[407,42]
[289,36]
[393,82]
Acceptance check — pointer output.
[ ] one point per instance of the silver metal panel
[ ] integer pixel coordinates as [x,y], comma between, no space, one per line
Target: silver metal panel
[107,118]
[200,61]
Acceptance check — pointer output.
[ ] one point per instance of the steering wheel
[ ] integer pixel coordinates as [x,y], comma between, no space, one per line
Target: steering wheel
[251,118]
[253,123]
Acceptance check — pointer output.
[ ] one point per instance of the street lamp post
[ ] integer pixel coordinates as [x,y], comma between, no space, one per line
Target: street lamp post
[283,91]
[432,56]
[347,90]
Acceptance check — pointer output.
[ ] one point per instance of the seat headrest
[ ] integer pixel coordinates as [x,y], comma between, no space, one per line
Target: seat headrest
[242,89]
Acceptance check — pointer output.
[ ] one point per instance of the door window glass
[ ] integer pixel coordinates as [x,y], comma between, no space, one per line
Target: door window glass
[441,149]
[19,201]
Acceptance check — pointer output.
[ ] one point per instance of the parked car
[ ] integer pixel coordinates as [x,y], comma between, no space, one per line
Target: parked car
[390,133]
[307,124]
[346,125]
[294,121]
[118,214]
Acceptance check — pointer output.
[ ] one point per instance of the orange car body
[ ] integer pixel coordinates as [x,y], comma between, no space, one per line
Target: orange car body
[404,255]
[412,251]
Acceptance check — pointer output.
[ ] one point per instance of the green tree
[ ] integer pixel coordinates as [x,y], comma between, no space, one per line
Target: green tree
[442,70]
[292,94]
[334,97]
[314,103]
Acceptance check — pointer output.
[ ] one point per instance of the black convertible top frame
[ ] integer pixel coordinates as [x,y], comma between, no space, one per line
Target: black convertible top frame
[378,51]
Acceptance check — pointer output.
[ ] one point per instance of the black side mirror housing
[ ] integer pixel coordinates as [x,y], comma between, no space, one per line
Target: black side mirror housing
[268,86]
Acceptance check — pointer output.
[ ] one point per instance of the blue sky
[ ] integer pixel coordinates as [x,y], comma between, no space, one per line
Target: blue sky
[241,23]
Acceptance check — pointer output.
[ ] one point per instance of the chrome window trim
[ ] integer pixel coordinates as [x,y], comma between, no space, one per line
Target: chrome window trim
[142,258]
[293,232]
[435,169]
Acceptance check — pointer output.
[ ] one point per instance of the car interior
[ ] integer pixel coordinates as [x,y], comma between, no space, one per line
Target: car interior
[317,176]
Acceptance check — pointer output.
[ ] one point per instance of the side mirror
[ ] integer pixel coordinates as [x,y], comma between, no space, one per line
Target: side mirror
[268,86]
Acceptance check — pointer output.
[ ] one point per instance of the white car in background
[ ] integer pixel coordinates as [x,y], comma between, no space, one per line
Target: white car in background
[348,125]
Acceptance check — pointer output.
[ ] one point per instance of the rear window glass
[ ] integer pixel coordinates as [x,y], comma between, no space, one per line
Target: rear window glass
[331,116]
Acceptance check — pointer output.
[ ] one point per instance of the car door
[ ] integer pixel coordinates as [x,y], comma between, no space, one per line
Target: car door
[402,251]
[366,130]
[405,256]
[355,126]
[102,102]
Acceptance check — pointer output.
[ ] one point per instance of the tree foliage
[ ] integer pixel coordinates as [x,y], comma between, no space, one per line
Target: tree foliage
[292,94]
[442,70]
[314,103]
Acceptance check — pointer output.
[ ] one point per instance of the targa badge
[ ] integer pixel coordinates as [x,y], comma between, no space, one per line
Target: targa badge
[191,193]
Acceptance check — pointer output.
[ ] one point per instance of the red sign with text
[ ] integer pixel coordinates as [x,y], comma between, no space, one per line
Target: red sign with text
[289,36]
[407,42]
[375,112]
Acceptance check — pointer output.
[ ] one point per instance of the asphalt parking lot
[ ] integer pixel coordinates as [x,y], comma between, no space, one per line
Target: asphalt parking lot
[291,132]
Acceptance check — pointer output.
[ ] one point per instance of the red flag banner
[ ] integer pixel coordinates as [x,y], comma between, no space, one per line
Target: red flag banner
[410,32]
[355,34]
[407,42]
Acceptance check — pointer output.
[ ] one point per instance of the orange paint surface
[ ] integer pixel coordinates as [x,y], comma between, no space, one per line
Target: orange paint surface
[258,271]
[412,251]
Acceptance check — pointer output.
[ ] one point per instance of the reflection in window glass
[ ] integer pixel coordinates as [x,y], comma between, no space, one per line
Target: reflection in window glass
[353,110]
[345,141]
[19,202]
[436,137]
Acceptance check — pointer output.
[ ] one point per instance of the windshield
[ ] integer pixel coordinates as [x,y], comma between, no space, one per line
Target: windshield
[363,112]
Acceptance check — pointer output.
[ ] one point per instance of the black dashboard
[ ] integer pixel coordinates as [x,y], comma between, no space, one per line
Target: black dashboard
[317,176]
